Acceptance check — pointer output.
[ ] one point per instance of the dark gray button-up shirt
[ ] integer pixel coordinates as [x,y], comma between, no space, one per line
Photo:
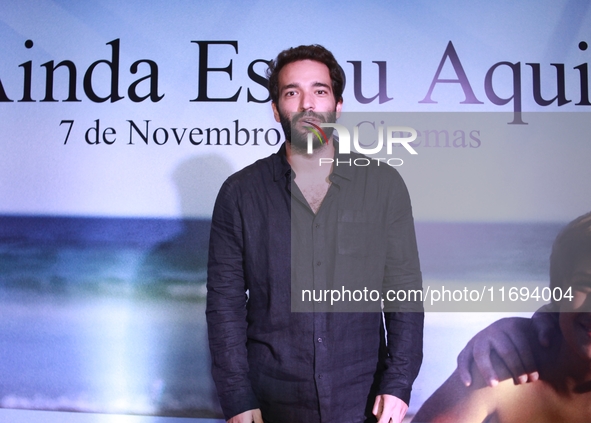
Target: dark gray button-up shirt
[313,366]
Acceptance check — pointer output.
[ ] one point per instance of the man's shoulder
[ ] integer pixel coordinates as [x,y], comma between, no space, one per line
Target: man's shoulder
[259,171]
[246,182]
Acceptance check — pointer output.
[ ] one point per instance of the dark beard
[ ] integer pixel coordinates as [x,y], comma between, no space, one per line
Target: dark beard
[299,138]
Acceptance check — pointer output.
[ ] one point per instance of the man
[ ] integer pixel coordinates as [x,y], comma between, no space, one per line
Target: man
[270,364]
[562,392]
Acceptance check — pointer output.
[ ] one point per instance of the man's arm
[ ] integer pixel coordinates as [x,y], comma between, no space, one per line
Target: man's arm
[509,339]
[226,306]
[403,321]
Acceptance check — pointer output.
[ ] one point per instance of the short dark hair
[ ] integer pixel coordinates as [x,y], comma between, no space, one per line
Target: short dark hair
[571,244]
[314,52]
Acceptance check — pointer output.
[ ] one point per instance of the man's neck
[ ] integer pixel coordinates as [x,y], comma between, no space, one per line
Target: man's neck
[309,165]
[311,177]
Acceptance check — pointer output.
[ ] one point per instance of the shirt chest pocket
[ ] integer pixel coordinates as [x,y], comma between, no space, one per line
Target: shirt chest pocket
[360,233]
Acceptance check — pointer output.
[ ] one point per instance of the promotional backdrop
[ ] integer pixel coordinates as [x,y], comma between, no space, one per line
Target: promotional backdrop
[120,121]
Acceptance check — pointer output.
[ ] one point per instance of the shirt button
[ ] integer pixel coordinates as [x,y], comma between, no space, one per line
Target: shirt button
[318,263]
[319,376]
[317,225]
[319,339]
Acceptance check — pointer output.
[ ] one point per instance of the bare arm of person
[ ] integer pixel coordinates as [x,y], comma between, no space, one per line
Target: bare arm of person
[454,402]
[508,337]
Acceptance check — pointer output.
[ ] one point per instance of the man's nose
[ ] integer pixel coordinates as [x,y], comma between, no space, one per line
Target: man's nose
[307,102]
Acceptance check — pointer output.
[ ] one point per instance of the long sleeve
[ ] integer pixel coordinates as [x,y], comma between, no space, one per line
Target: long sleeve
[226,306]
[403,320]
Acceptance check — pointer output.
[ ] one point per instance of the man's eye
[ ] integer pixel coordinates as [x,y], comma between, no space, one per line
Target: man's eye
[289,93]
[321,92]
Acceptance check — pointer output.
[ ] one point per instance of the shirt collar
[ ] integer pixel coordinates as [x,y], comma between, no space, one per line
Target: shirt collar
[281,167]
[344,170]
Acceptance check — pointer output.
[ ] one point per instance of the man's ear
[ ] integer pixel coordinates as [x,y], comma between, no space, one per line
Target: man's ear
[276,112]
[339,107]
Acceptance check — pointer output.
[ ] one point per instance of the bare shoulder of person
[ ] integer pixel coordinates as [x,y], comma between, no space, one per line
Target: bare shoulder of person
[479,402]
[454,402]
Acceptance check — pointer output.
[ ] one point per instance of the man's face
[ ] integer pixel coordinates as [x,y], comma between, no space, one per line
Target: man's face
[575,316]
[305,94]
